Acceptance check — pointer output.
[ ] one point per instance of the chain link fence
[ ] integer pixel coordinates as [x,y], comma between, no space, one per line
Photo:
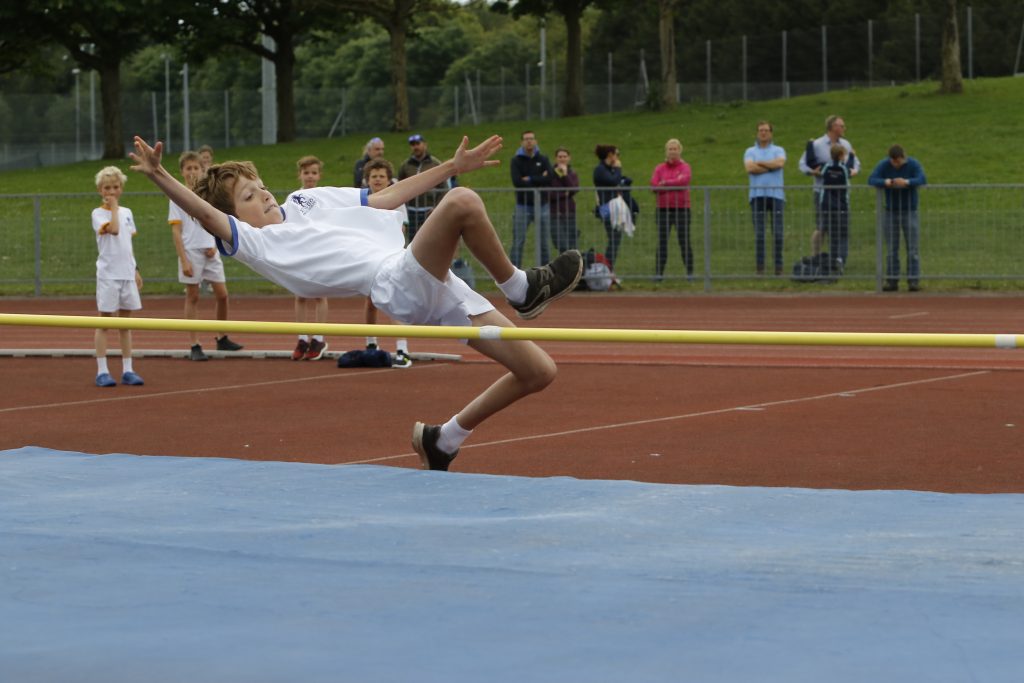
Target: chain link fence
[972,237]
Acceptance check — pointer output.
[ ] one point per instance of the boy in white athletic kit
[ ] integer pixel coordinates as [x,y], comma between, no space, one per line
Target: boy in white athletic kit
[197,261]
[310,347]
[118,280]
[345,242]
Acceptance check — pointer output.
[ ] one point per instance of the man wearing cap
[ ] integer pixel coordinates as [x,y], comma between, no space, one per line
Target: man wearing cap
[420,160]
[374,149]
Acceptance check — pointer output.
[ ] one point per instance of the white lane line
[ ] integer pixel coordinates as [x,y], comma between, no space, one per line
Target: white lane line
[845,393]
[164,394]
[909,315]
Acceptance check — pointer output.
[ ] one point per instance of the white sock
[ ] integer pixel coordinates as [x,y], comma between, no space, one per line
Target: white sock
[371,341]
[101,365]
[515,287]
[452,436]
[403,346]
[126,364]
[304,337]
[318,337]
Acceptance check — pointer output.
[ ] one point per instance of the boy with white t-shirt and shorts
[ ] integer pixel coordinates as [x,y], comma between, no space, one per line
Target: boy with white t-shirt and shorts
[347,242]
[118,280]
[197,261]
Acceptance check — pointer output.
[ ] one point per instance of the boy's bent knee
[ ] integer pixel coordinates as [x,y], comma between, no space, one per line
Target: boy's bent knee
[463,198]
[540,375]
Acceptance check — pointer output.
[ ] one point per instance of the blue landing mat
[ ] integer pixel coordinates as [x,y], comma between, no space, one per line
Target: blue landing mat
[124,568]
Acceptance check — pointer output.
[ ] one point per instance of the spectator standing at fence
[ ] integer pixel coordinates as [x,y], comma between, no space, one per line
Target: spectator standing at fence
[421,160]
[198,262]
[611,183]
[310,347]
[205,156]
[764,163]
[900,176]
[835,208]
[671,181]
[118,279]
[815,157]
[374,149]
[563,202]
[530,170]
[380,174]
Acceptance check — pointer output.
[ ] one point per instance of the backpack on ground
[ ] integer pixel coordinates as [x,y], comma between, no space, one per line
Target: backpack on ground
[597,273]
[819,268]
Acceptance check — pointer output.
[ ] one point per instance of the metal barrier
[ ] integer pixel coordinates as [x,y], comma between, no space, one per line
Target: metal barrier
[970,238]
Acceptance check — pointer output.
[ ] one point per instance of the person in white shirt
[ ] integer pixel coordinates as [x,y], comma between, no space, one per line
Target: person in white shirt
[310,347]
[118,280]
[198,261]
[346,242]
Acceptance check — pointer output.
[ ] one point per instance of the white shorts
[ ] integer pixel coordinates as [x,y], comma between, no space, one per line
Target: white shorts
[115,295]
[404,290]
[206,268]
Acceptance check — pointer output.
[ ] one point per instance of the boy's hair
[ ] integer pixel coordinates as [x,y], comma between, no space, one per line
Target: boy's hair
[602,151]
[218,185]
[187,155]
[205,148]
[111,172]
[562,149]
[837,152]
[896,152]
[771,128]
[374,164]
[308,160]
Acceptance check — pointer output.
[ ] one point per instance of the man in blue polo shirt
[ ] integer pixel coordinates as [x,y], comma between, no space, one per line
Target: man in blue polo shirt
[900,176]
[764,162]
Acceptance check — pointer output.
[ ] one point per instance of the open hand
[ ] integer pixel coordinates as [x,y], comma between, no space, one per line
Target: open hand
[467,160]
[146,158]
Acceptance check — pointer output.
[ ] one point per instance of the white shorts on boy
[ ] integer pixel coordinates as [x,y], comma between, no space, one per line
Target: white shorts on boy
[115,295]
[409,294]
[206,268]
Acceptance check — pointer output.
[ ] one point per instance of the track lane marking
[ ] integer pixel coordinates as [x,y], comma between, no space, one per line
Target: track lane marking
[845,393]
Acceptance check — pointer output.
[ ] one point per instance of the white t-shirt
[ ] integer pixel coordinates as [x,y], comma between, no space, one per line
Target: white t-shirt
[192,234]
[116,259]
[330,243]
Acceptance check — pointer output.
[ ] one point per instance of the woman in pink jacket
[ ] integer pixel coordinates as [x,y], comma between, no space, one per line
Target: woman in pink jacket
[671,180]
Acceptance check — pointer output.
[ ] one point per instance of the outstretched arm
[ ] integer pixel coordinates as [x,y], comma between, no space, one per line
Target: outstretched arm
[147,162]
[464,161]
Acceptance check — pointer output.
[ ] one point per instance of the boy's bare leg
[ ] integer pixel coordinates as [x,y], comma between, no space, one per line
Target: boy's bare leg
[192,310]
[530,370]
[100,339]
[220,293]
[125,338]
[460,214]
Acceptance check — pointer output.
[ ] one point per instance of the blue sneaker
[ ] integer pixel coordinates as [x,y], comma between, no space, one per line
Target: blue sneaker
[105,380]
[131,379]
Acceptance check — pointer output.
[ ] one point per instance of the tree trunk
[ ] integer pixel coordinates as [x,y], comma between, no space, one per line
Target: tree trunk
[110,97]
[399,70]
[667,41]
[952,77]
[284,68]
[573,104]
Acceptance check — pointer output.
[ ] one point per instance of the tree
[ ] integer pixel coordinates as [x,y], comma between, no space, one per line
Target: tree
[952,76]
[396,16]
[209,24]
[667,43]
[98,34]
[572,13]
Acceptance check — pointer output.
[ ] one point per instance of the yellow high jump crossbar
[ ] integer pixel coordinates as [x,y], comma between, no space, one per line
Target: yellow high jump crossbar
[906,339]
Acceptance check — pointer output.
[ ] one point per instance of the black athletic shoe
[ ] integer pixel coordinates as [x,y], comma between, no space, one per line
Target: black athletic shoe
[225,344]
[890,286]
[913,287]
[549,283]
[196,353]
[424,442]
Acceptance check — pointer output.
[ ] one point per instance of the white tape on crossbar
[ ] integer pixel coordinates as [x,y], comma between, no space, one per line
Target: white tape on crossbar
[1006,341]
[490,332]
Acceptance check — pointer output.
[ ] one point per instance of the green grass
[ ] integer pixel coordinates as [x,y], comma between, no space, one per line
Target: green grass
[966,139]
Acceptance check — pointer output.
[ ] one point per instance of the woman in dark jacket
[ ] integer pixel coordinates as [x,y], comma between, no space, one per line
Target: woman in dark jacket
[609,181]
[563,202]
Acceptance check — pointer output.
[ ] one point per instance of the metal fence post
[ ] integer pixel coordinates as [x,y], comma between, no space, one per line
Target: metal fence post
[785,85]
[824,59]
[537,236]
[917,48]
[744,68]
[879,240]
[871,53]
[707,239]
[707,49]
[37,216]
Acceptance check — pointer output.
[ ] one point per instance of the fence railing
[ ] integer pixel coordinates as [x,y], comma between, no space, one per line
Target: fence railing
[971,236]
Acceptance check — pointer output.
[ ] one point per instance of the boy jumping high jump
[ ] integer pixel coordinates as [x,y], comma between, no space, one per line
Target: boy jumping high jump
[345,242]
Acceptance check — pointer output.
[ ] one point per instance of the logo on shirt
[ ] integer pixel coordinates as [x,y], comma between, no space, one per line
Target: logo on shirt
[305,203]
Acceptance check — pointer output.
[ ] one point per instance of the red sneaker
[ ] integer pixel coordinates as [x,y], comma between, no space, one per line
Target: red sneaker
[316,350]
[300,350]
